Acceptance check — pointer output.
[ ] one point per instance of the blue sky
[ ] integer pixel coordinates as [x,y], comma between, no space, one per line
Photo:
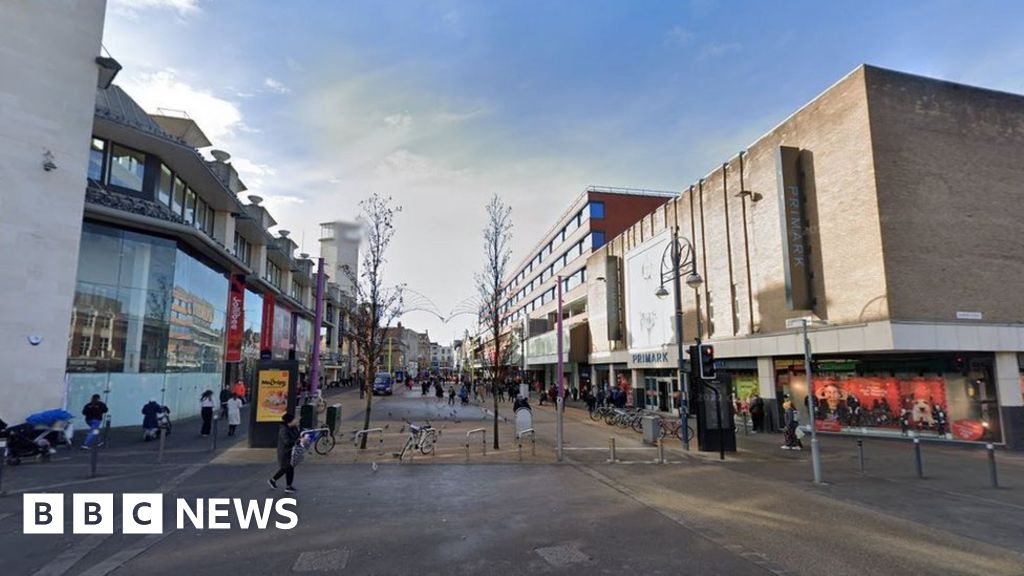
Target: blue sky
[442,103]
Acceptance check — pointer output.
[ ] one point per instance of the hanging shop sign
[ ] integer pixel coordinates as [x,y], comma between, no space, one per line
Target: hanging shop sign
[795,248]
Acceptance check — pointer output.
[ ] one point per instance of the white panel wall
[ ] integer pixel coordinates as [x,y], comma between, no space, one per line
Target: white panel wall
[47,96]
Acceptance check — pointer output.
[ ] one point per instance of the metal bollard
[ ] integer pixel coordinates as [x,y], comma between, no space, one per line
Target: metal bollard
[611,449]
[992,474]
[3,461]
[215,420]
[160,454]
[860,454]
[380,444]
[661,451]
[106,431]
[94,456]
[917,458]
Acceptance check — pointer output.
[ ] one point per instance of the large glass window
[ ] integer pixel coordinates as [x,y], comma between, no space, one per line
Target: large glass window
[597,210]
[201,214]
[127,168]
[97,158]
[178,199]
[597,239]
[164,186]
[190,207]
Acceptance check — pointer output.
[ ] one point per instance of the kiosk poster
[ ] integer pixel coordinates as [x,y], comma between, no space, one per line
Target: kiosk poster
[271,395]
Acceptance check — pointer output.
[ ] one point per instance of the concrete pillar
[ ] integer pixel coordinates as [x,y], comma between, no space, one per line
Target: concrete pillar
[766,389]
[1011,399]
[259,260]
[224,228]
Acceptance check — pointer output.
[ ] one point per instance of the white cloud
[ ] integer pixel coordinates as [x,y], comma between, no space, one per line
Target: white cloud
[131,8]
[401,120]
[678,36]
[276,86]
[717,49]
[218,118]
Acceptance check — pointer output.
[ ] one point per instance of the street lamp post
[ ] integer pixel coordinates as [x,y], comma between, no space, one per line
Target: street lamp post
[811,400]
[682,256]
[559,399]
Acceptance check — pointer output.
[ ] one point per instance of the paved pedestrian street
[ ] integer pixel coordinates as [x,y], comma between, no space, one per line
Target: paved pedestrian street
[755,513]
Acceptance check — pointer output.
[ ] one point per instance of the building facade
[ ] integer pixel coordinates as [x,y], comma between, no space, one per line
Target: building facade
[47,109]
[180,287]
[887,209]
[530,296]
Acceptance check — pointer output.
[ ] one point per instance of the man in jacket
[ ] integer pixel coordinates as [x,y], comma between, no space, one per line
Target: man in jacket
[93,413]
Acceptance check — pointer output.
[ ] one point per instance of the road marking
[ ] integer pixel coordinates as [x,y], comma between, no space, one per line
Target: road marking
[563,555]
[321,560]
[82,548]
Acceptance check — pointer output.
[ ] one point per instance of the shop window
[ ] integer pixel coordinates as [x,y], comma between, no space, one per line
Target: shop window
[127,168]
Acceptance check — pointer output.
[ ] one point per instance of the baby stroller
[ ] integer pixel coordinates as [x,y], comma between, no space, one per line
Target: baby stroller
[38,436]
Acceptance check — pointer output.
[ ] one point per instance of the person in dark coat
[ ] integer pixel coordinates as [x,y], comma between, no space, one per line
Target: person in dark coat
[287,436]
[150,422]
[225,395]
[206,411]
[757,412]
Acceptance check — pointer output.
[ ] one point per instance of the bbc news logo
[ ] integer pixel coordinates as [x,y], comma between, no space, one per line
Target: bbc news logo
[144,513]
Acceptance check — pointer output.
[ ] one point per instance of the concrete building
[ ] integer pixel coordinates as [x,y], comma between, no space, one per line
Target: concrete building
[888,207]
[180,287]
[529,311]
[48,54]
[339,247]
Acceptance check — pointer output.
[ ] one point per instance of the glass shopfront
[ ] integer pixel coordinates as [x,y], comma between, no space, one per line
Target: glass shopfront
[253,319]
[148,323]
[940,395]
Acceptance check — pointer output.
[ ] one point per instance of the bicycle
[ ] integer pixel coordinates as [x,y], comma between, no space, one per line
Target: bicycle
[320,439]
[674,427]
[601,412]
[421,438]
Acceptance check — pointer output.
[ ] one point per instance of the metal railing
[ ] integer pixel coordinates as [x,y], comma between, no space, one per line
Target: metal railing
[533,442]
[379,431]
[483,444]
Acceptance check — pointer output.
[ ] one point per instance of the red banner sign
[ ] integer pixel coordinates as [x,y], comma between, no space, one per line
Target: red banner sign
[267,330]
[236,318]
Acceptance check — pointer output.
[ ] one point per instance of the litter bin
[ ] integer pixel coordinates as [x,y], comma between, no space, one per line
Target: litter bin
[652,428]
[307,416]
[334,418]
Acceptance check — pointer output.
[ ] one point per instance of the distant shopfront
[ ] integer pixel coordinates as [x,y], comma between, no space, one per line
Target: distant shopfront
[940,395]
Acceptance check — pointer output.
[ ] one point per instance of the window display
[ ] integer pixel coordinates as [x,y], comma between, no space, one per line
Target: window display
[949,397]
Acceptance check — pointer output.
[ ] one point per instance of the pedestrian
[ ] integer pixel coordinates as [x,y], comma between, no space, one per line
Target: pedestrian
[591,401]
[501,393]
[451,395]
[757,412]
[287,437]
[150,421]
[206,410]
[239,390]
[792,419]
[438,391]
[93,412]
[225,395]
[234,413]
[601,395]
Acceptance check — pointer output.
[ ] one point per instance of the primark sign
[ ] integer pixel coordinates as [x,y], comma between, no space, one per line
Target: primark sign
[145,514]
[664,358]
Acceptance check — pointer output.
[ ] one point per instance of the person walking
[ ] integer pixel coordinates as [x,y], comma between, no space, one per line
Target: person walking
[591,401]
[239,390]
[287,437]
[451,395]
[225,395]
[757,412]
[792,419]
[93,412]
[206,411]
[234,413]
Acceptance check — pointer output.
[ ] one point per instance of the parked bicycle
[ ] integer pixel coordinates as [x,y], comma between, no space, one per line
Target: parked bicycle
[321,440]
[421,438]
[674,427]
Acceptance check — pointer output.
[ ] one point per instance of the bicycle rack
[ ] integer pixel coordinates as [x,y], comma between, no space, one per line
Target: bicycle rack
[533,442]
[379,431]
[483,433]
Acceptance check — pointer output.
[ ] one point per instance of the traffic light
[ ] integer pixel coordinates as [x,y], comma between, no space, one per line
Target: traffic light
[706,361]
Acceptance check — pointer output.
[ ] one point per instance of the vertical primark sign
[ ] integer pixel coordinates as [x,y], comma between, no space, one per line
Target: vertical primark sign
[795,246]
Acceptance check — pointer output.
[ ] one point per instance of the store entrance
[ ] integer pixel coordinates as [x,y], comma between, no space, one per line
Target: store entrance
[658,393]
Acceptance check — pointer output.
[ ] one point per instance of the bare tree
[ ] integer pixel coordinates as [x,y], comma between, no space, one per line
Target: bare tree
[491,287]
[377,305]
